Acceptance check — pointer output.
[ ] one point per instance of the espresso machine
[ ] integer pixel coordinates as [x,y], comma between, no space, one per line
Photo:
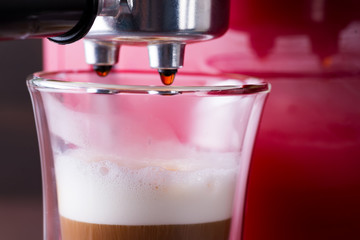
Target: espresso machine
[164,26]
[304,179]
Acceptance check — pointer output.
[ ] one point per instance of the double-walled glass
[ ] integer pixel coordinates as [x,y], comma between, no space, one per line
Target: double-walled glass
[125,158]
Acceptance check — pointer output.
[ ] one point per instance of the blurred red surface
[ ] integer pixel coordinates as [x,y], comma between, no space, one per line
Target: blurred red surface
[304,181]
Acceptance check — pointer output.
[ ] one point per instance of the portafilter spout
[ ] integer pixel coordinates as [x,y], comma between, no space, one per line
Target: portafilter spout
[164,26]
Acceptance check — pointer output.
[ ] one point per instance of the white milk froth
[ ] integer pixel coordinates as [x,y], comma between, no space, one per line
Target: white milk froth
[96,188]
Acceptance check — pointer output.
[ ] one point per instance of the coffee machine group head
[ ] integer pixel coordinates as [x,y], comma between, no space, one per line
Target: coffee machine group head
[164,26]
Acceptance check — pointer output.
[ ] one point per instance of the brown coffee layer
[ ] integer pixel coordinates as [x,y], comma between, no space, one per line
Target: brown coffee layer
[74,230]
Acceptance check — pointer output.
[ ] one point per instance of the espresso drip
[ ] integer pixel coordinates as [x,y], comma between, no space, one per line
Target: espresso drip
[167,76]
[102,70]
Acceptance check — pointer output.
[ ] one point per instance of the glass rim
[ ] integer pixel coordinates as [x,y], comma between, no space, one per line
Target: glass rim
[39,80]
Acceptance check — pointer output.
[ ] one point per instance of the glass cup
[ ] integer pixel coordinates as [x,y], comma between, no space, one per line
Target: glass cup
[125,158]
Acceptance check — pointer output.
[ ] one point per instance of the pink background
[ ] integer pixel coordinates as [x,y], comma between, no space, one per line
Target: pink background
[305,175]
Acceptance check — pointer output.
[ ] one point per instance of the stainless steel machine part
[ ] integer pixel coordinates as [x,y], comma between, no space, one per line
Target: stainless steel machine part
[64,21]
[165,26]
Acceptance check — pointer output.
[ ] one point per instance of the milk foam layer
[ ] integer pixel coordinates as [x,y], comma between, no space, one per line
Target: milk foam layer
[96,188]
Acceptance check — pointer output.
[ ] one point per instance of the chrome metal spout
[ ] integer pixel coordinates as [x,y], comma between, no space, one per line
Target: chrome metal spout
[164,26]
